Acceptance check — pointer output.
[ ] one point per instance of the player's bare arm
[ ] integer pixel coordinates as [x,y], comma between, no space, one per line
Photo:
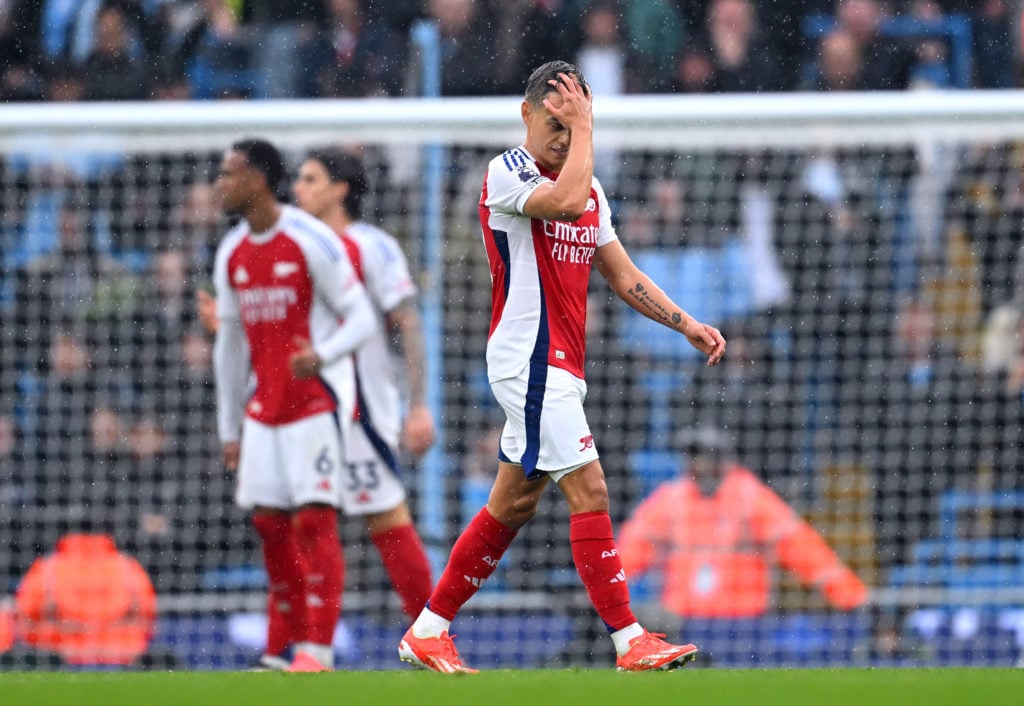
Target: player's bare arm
[638,290]
[418,428]
[560,136]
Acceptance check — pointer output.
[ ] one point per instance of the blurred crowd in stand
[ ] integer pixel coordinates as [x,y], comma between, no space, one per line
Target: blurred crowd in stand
[56,50]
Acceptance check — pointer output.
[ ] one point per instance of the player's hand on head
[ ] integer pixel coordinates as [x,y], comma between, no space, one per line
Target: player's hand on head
[304,362]
[708,340]
[575,108]
[418,431]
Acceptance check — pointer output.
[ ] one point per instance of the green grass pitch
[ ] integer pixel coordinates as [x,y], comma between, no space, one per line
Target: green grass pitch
[696,687]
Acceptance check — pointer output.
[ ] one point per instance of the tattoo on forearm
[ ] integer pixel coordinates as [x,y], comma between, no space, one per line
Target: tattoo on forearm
[654,308]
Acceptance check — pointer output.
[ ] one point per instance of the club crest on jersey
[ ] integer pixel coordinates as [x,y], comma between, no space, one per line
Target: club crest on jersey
[283,269]
[591,204]
[241,276]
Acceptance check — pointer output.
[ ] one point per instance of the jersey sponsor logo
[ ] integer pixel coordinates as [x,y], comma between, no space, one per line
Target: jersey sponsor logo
[240,276]
[572,243]
[572,254]
[266,304]
[571,233]
[587,441]
[283,269]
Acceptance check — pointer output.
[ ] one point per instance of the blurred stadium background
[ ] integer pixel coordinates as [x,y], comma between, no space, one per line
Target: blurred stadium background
[860,251]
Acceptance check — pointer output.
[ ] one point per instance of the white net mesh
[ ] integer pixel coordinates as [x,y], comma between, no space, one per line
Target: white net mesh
[859,254]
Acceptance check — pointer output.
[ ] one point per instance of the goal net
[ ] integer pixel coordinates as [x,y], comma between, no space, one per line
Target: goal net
[860,253]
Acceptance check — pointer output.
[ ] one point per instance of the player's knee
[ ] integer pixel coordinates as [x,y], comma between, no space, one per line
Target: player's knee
[588,496]
[514,512]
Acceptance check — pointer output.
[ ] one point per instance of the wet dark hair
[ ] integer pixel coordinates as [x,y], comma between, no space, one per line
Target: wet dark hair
[537,85]
[263,156]
[344,167]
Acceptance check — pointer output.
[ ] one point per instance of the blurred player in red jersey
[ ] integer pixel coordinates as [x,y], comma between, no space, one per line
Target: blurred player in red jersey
[291,310]
[330,186]
[546,222]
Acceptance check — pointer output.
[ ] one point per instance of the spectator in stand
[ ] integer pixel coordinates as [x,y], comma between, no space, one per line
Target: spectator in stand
[784,37]
[888,62]
[840,65]
[602,53]
[716,534]
[274,35]
[654,34]
[112,70]
[353,55]
[742,61]
[524,32]
[64,83]
[466,47]
[19,81]
[992,25]
[694,70]
[994,43]
[88,603]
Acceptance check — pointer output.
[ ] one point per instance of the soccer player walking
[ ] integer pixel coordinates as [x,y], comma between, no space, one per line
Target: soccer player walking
[546,222]
[291,310]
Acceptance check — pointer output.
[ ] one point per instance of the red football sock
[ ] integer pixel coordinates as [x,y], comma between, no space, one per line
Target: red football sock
[286,587]
[317,530]
[474,558]
[597,561]
[407,565]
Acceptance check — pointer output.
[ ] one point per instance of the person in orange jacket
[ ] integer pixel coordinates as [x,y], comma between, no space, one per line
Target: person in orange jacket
[717,532]
[87,602]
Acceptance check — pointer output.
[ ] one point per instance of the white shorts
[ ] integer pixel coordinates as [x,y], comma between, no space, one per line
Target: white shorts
[545,430]
[290,465]
[370,482]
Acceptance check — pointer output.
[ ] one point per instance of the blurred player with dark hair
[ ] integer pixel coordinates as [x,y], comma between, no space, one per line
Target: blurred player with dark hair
[291,310]
[546,222]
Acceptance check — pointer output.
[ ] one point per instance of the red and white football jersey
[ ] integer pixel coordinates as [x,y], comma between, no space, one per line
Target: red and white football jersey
[540,270]
[293,282]
[381,266]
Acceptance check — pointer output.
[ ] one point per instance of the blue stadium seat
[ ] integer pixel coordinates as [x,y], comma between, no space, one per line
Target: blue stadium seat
[653,467]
